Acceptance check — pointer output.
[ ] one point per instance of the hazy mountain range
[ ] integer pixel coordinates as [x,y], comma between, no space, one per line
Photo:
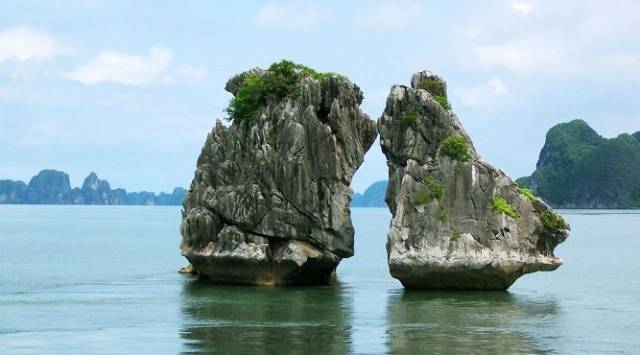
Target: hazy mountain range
[53,187]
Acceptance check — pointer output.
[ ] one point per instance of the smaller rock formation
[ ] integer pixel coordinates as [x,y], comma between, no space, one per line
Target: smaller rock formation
[94,192]
[269,203]
[458,223]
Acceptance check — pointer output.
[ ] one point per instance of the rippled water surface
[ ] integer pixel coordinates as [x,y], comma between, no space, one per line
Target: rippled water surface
[103,280]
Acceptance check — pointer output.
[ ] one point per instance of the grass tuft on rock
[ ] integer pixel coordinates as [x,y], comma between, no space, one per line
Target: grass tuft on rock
[456,147]
[442,100]
[552,222]
[430,189]
[410,117]
[455,237]
[527,193]
[281,80]
[432,86]
[500,205]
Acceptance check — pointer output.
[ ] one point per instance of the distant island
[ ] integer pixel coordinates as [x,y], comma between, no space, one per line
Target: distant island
[53,187]
[578,168]
[373,196]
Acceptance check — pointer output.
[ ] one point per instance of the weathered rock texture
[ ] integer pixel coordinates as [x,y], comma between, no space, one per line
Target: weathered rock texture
[269,203]
[458,240]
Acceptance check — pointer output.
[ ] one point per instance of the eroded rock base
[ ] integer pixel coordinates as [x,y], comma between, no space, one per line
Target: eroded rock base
[484,279]
[246,259]
[237,271]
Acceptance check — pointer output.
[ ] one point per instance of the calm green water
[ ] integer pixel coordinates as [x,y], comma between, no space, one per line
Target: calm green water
[103,280]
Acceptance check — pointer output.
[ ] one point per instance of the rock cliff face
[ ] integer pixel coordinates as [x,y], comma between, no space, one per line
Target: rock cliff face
[458,222]
[269,203]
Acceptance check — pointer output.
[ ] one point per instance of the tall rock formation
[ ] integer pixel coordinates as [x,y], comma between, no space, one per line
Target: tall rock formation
[458,222]
[269,203]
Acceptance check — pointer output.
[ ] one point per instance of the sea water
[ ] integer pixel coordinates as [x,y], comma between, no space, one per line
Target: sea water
[104,280]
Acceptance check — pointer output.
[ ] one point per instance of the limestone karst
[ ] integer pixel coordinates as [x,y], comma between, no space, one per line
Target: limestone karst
[269,202]
[458,222]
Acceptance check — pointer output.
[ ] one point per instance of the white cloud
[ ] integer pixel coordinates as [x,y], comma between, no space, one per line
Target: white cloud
[390,15]
[482,95]
[122,68]
[521,7]
[560,38]
[186,74]
[525,56]
[191,72]
[26,43]
[292,16]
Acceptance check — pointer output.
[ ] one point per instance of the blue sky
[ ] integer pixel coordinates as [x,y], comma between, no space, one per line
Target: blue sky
[129,89]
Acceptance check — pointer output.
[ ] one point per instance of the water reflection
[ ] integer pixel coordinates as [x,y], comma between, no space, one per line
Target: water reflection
[461,323]
[259,320]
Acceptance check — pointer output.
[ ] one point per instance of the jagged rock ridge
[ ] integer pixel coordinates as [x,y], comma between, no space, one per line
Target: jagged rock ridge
[269,203]
[458,223]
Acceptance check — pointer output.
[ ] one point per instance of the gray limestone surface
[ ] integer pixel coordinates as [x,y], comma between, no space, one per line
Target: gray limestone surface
[458,222]
[269,202]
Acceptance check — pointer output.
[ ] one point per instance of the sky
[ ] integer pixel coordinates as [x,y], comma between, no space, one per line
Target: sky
[130,89]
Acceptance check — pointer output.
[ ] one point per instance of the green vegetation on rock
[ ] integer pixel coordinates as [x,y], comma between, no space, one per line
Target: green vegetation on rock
[551,221]
[455,237]
[442,100]
[500,205]
[578,168]
[456,147]
[410,117]
[442,215]
[429,189]
[244,106]
[432,86]
[527,193]
[281,80]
